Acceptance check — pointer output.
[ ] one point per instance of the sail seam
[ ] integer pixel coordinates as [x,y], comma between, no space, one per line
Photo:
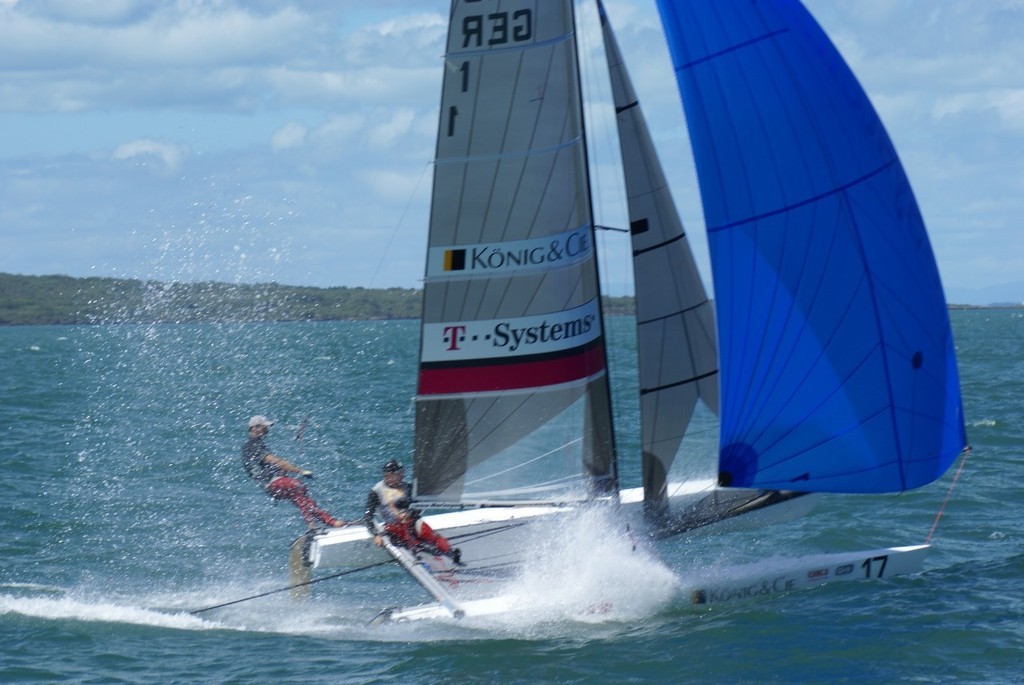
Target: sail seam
[511,155]
[625,108]
[675,313]
[692,379]
[811,200]
[732,48]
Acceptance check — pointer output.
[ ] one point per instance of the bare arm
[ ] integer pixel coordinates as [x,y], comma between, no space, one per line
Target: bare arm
[283,464]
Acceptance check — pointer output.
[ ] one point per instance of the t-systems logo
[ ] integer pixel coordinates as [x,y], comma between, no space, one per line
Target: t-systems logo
[496,338]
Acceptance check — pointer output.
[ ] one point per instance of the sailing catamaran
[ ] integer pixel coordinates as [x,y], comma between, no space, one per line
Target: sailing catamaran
[827,353]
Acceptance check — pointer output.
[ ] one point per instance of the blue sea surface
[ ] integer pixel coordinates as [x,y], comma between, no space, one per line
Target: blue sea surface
[126,508]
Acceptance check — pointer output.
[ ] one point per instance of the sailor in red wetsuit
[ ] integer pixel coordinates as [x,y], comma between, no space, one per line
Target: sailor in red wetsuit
[380,503]
[410,531]
[272,472]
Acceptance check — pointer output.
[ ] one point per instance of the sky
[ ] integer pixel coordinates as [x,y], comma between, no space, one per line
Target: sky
[268,140]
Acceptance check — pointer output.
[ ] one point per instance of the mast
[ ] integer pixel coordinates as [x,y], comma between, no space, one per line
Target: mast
[612,486]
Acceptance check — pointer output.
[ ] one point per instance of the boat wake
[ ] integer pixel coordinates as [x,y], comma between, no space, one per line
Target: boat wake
[275,616]
[67,608]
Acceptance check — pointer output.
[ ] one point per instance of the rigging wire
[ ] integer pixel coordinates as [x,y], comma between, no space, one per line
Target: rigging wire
[291,587]
[935,524]
[608,191]
[300,436]
[401,220]
[463,537]
[526,463]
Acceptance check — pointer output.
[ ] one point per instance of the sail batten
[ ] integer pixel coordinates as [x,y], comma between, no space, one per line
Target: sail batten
[666,243]
[684,381]
[689,309]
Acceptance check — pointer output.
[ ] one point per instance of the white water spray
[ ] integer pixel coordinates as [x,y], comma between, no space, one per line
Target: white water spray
[590,568]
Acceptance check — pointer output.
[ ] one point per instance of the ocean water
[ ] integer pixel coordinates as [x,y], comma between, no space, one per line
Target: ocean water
[125,508]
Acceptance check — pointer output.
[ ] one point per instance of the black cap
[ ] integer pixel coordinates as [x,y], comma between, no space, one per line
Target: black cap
[392,466]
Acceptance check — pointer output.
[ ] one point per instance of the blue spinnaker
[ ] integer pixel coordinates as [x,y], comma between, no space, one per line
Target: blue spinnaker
[837,363]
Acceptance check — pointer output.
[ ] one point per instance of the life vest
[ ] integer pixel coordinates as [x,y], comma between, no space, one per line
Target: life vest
[388,497]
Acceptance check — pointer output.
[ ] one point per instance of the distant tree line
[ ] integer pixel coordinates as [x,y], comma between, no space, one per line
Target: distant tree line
[36,300]
[43,300]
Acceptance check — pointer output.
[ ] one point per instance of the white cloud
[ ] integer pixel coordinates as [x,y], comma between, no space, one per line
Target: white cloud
[393,185]
[337,130]
[394,41]
[219,56]
[172,36]
[107,11]
[169,154]
[290,135]
[405,24]
[386,133]
[1007,104]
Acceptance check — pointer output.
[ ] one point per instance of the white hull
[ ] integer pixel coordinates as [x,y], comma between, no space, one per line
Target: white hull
[488,537]
[768,578]
[477,608]
[726,586]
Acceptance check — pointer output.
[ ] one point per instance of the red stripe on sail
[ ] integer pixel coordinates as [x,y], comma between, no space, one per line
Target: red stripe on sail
[512,376]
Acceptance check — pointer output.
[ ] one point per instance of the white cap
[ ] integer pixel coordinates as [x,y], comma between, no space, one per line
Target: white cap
[260,420]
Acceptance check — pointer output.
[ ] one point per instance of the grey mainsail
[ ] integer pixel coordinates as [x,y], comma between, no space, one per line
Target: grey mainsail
[512,402]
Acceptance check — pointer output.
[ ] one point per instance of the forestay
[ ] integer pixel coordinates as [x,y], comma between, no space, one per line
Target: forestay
[837,361]
[512,400]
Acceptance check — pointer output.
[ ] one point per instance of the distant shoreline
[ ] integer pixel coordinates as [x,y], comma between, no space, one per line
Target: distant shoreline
[67,300]
[987,306]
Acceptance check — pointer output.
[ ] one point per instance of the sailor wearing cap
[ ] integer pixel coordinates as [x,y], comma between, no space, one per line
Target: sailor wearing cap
[275,475]
[385,494]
